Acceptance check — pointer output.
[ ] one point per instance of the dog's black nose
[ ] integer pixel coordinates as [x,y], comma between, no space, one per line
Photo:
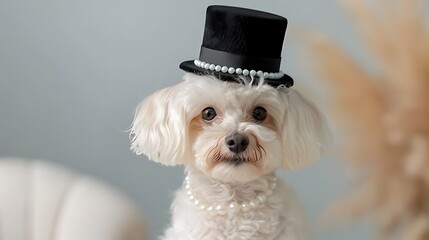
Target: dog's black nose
[237,142]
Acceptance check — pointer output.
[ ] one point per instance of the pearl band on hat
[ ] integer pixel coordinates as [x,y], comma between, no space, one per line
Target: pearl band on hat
[239,71]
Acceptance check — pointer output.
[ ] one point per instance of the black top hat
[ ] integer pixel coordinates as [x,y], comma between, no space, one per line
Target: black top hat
[239,41]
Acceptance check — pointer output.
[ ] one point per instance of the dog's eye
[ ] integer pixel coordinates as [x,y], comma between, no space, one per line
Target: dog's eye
[259,113]
[208,114]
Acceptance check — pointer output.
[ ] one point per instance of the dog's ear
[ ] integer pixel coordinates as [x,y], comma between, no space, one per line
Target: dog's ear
[160,128]
[305,133]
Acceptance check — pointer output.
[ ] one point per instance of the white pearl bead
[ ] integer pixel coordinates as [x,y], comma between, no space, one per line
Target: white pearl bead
[266,75]
[189,193]
[187,177]
[224,69]
[218,68]
[207,66]
[259,73]
[220,210]
[278,75]
[196,202]
[252,73]
[187,186]
[202,64]
[209,209]
[231,70]
[253,204]
[202,207]
[196,62]
[271,75]
[245,207]
[233,205]
[238,71]
[191,197]
[245,72]
[261,198]
[212,67]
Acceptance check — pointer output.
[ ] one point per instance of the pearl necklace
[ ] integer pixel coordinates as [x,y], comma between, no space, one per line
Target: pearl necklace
[232,205]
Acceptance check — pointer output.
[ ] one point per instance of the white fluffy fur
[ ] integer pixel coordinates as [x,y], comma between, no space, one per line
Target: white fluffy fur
[168,129]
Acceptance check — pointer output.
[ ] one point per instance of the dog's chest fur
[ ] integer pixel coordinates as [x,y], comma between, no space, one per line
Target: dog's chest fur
[279,218]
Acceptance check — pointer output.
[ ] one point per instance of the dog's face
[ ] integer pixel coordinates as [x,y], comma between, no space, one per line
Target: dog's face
[230,131]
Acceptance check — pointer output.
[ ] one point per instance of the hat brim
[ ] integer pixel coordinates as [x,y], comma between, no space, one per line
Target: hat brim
[189,66]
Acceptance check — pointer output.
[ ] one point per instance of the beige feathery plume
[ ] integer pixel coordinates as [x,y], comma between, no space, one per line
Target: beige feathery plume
[384,112]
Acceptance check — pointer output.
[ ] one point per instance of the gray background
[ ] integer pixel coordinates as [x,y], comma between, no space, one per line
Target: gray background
[72,73]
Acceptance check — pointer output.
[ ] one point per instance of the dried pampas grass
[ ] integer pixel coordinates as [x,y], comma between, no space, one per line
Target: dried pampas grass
[384,111]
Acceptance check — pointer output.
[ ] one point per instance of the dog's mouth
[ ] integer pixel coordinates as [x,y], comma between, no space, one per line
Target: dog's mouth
[236,160]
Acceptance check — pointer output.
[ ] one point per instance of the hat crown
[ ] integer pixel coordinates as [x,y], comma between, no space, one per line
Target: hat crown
[244,31]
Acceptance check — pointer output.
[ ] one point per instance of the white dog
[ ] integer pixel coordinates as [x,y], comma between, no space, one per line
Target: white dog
[231,137]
